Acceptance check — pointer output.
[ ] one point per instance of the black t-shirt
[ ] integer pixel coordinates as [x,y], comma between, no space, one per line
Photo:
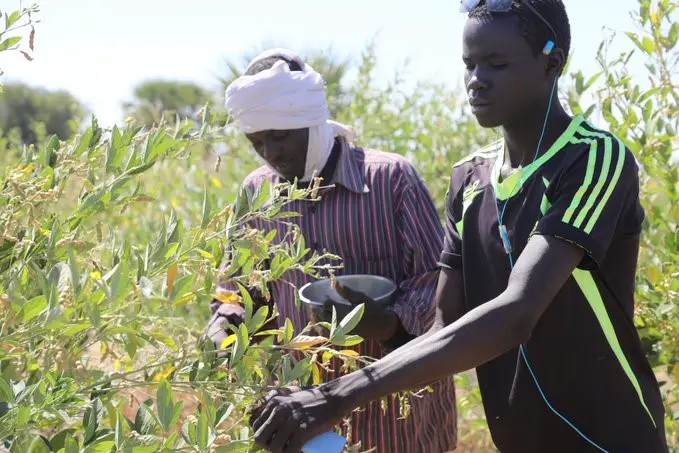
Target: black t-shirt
[584,351]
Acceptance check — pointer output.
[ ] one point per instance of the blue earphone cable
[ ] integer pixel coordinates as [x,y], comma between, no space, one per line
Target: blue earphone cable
[506,240]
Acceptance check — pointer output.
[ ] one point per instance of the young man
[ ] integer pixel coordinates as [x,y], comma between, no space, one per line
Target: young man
[379,218]
[549,309]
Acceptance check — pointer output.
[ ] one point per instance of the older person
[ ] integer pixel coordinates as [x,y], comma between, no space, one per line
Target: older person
[378,216]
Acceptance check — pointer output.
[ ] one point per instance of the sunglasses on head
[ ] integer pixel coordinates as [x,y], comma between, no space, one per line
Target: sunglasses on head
[502,6]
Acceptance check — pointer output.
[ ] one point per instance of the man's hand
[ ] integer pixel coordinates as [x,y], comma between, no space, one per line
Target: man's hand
[286,420]
[377,322]
[225,315]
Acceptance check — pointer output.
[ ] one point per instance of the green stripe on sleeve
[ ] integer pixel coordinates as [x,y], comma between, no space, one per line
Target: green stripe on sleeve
[604,176]
[589,289]
[591,163]
[611,187]
[613,180]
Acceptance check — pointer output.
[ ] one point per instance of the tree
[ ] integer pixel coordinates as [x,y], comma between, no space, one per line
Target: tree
[157,98]
[37,112]
[331,66]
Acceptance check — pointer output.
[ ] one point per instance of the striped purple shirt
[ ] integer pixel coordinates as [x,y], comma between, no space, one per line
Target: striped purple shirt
[381,219]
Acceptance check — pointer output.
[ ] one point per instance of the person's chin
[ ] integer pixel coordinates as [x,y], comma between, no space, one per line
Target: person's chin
[291,177]
[487,117]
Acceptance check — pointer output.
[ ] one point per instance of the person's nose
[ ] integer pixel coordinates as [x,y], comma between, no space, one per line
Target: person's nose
[477,81]
[272,151]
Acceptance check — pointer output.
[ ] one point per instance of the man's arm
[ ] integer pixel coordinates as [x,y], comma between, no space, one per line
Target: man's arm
[421,234]
[479,336]
[420,237]
[449,302]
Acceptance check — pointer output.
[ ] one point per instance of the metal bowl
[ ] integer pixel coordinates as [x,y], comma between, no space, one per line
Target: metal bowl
[379,289]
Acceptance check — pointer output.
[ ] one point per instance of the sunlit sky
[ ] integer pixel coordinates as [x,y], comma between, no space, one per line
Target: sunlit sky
[100,49]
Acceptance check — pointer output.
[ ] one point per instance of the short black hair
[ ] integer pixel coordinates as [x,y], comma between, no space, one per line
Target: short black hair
[267,63]
[532,27]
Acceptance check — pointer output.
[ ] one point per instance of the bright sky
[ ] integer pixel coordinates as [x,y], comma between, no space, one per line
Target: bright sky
[100,49]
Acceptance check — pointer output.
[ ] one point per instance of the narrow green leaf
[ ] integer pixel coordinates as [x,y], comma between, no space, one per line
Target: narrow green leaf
[333,323]
[242,342]
[182,287]
[38,445]
[301,369]
[75,272]
[673,36]
[648,45]
[189,432]
[289,331]
[12,18]
[258,319]
[351,320]
[145,422]
[262,196]
[101,447]
[91,419]
[166,340]
[165,404]
[235,447]
[119,436]
[23,415]
[58,441]
[207,255]
[205,218]
[33,308]
[71,445]
[9,43]
[118,280]
[140,168]
[202,431]
[346,340]
[224,411]
[152,448]
[6,393]
[247,302]
[74,329]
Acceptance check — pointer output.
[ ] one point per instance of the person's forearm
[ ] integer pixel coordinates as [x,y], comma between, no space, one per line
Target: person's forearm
[479,336]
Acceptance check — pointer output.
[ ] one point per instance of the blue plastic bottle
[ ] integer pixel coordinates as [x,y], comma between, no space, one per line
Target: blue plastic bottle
[329,442]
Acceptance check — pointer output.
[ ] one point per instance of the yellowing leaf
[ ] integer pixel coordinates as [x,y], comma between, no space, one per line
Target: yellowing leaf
[317,374]
[216,182]
[268,333]
[171,277]
[164,374]
[95,275]
[654,18]
[654,275]
[231,339]
[327,356]
[303,342]
[185,300]
[174,202]
[349,352]
[227,297]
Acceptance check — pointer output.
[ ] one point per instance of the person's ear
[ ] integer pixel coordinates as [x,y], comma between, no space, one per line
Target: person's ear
[556,59]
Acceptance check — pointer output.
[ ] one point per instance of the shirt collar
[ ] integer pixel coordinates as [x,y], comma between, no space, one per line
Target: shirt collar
[350,171]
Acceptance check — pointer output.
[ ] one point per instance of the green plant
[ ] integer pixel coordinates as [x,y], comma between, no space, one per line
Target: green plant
[113,242]
[643,110]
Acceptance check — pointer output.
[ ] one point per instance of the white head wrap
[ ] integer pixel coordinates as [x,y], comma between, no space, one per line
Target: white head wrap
[281,99]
